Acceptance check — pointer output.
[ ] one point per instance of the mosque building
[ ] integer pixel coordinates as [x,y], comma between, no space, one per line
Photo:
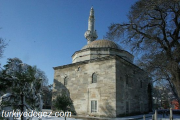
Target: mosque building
[102,79]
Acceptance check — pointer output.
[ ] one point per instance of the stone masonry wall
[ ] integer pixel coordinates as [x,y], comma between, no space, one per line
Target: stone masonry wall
[82,90]
[132,96]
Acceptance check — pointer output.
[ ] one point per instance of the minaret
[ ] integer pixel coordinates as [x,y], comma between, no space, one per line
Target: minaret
[91,34]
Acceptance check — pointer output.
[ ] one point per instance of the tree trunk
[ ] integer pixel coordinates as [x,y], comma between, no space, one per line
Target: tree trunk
[174,91]
[177,86]
[64,114]
[175,72]
[22,106]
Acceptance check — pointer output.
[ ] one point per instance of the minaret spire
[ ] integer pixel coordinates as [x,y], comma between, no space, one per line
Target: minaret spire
[91,34]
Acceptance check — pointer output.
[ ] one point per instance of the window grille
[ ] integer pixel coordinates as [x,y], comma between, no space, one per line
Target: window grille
[93,106]
[94,78]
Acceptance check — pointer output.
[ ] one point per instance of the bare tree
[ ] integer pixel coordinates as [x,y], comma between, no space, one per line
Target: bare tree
[43,76]
[162,94]
[153,28]
[47,96]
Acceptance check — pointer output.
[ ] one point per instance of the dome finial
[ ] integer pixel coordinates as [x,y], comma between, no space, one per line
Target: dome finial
[92,7]
[91,34]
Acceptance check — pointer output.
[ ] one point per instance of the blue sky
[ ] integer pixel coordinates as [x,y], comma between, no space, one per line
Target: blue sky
[46,33]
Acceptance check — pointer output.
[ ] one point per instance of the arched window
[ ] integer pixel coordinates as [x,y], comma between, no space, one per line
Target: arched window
[65,80]
[94,78]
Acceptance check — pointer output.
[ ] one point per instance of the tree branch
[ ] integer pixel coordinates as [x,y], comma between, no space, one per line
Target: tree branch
[149,36]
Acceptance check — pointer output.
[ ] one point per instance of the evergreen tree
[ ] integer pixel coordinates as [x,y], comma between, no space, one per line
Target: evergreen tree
[63,103]
[24,83]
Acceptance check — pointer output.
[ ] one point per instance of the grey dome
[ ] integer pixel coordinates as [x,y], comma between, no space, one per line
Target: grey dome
[102,44]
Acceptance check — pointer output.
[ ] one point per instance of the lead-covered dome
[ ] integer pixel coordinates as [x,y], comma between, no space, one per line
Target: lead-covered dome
[99,49]
[102,44]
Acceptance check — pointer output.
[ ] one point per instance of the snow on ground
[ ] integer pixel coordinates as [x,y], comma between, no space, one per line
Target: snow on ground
[137,117]
[56,118]
[53,118]
[160,117]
